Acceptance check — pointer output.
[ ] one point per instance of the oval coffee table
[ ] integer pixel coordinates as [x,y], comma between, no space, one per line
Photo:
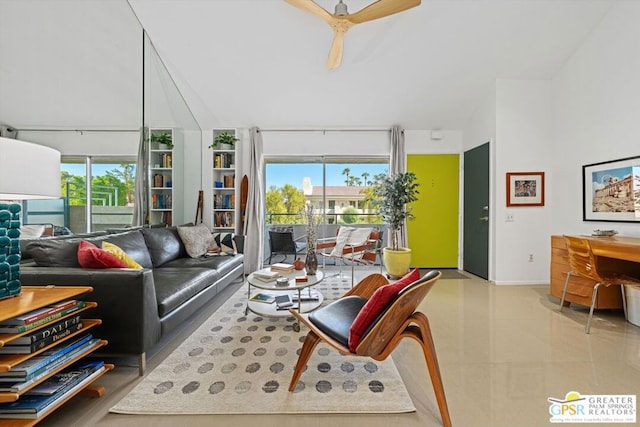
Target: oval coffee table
[311,298]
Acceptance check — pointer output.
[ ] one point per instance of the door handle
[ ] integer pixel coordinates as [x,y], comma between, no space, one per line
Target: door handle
[484,218]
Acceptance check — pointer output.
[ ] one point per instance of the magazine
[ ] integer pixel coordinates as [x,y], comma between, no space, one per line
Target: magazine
[260,297]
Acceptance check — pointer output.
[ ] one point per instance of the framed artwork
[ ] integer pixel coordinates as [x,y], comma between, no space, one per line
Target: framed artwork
[525,188]
[611,191]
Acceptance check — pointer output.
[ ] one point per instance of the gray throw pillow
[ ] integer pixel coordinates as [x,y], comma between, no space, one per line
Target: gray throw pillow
[196,239]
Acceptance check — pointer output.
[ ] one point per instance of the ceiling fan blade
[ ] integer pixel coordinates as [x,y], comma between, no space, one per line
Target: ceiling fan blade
[380,9]
[312,7]
[335,54]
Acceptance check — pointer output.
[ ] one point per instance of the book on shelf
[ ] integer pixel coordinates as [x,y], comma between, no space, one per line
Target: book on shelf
[282,267]
[31,366]
[40,334]
[12,384]
[37,406]
[35,315]
[70,375]
[12,348]
[261,297]
[17,329]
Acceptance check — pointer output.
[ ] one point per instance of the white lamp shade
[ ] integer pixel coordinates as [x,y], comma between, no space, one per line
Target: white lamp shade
[28,171]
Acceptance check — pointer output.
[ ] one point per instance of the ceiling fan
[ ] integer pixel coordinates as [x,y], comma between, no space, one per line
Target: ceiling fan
[341,20]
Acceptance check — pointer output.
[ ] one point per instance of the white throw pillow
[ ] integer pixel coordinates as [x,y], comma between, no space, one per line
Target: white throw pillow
[196,239]
[31,230]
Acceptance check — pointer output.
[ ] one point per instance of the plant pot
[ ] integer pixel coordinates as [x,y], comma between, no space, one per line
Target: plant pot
[226,146]
[163,146]
[397,262]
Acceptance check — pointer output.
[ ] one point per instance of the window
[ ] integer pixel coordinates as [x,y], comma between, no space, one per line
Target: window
[340,187]
[112,192]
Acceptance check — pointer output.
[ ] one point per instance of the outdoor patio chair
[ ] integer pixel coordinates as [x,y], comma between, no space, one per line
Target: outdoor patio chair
[281,242]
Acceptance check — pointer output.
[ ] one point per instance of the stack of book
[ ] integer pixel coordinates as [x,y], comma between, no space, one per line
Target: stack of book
[42,399]
[41,338]
[29,372]
[282,268]
[37,318]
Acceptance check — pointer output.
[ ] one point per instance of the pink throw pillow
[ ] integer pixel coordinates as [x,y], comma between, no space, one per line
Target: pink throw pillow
[376,305]
[91,256]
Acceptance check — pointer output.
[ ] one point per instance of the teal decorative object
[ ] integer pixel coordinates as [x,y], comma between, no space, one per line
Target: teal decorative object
[9,250]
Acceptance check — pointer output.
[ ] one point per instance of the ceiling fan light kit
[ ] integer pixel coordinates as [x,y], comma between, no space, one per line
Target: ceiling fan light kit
[341,20]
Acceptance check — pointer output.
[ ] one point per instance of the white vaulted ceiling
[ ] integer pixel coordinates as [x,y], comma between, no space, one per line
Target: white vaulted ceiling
[263,62]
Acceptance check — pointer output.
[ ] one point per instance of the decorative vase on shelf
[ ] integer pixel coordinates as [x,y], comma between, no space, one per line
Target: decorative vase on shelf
[311,263]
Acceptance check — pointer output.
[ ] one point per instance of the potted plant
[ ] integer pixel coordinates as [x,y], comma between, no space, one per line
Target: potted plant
[393,193]
[163,140]
[224,141]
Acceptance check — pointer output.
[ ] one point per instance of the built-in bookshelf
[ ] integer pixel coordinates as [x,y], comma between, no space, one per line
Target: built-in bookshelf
[224,193]
[37,298]
[164,161]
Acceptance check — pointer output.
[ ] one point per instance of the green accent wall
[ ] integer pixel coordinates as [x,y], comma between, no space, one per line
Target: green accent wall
[433,234]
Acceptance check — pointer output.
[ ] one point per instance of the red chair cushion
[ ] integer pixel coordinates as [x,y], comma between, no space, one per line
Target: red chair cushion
[376,305]
[91,256]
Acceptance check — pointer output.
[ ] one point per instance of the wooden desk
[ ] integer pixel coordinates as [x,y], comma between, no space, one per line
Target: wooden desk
[617,253]
[617,247]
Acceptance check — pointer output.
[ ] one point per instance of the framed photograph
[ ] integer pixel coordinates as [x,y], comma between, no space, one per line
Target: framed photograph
[525,188]
[611,191]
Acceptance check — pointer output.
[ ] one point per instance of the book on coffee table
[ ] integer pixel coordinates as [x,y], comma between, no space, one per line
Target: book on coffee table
[282,267]
[266,276]
[260,297]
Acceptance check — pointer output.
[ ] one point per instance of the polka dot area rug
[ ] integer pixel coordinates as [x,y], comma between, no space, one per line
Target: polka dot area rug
[238,363]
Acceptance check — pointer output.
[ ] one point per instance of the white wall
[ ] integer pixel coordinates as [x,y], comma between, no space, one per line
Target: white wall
[596,114]
[523,142]
[587,113]
[71,143]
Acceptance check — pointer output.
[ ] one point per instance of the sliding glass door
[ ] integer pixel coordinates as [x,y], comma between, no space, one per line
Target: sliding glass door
[338,187]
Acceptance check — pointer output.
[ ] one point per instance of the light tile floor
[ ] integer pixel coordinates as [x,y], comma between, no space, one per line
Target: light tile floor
[503,351]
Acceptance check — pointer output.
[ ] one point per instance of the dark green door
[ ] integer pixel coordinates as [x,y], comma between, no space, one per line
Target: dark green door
[476,211]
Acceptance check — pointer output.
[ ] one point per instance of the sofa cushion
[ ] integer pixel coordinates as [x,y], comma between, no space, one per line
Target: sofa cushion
[222,264]
[196,239]
[174,286]
[117,252]
[132,242]
[43,249]
[90,256]
[164,245]
[225,242]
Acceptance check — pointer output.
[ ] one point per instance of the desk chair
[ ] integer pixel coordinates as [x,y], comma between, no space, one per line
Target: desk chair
[583,264]
[391,311]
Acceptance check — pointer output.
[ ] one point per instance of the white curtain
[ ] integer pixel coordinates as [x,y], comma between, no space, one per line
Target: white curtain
[142,171]
[398,156]
[254,225]
[398,164]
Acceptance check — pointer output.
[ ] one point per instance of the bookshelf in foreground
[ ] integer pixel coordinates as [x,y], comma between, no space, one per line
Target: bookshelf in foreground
[52,360]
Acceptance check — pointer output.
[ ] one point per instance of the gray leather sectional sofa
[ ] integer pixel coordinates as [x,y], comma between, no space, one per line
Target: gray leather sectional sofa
[137,307]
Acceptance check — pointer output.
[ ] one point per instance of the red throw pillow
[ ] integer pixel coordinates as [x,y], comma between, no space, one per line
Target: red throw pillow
[91,256]
[376,305]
